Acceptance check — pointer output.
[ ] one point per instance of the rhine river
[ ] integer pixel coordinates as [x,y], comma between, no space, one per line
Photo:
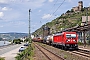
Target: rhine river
[2,43]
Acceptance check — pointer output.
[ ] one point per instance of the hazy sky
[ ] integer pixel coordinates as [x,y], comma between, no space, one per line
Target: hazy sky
[14,14]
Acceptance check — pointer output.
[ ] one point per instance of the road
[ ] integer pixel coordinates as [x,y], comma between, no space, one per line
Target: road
[10,52]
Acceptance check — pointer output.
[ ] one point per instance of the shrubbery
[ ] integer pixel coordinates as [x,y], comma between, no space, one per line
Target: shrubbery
[26,54]
[80,43]
[88,42]
[26,40]
[1,58]
[17,41]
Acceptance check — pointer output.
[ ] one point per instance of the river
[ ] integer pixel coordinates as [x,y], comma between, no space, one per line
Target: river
[2,43]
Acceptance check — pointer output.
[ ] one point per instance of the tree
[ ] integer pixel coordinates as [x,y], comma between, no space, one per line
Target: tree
[0,39]
[72,10]
[17,41]
[82,9]
[26,40]
[68,11]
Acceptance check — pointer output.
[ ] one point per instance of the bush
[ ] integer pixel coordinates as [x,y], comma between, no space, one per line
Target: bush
[25,55]
[17,41]
[26,40]
[80,43]
[88,42]
[1,58]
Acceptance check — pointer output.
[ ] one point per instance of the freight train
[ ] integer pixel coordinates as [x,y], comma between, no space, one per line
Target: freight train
[37,39]
[65,40]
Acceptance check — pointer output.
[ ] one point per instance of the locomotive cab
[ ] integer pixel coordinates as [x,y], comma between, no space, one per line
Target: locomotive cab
[66,40]
[71,40]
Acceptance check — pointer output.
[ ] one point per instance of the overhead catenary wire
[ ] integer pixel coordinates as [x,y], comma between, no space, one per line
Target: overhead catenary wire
[51,9]
[56,9]
[59,6]
[54,5]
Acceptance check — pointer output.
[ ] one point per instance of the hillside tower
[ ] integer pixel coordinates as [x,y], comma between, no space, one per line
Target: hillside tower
[80,5]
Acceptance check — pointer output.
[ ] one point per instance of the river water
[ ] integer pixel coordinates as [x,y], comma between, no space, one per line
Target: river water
[2,43]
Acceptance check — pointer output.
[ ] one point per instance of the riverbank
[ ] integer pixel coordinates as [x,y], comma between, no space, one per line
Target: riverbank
[3,43]
[10,52]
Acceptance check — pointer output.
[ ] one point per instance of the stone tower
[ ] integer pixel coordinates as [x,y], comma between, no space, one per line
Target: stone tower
[80,5]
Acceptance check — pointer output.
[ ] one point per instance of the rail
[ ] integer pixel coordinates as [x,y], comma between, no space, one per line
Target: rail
[81,52]
[49,54]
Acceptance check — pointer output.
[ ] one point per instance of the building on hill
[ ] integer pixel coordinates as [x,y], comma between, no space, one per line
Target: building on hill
[88,8]
[85,19]
[79,7]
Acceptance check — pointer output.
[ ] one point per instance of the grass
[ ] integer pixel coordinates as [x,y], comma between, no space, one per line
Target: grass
[65,56]
[30,57]
[26,54]
[2,58]
[80,43]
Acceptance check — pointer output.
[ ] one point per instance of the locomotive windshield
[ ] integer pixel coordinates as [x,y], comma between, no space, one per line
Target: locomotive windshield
[71,35]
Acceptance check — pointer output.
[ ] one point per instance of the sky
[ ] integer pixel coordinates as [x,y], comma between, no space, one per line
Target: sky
[14,14]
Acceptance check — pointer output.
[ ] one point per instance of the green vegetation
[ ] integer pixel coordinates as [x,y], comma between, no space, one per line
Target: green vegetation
[80,43]
[1,58]
[65,56]
[26,40]
[23,55]
[67,20]
[88,42]
[27,54]
[17,41]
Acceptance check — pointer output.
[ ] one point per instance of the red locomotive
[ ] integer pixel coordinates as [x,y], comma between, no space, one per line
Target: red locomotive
[66,40]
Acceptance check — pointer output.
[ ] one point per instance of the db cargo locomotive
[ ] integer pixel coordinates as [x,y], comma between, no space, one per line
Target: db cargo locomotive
[66,40]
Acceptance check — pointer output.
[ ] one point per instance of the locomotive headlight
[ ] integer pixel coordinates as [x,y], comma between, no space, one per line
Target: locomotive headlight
[68,41]
[74,40]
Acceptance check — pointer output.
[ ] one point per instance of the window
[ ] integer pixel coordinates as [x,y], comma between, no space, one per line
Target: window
[71,35]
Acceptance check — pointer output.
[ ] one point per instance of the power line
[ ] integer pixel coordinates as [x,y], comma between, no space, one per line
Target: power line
[57,9]
[52,8]
[59,6]
[54,5]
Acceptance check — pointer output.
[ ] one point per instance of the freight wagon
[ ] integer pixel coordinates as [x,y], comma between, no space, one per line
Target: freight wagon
[37,39]
[48,39]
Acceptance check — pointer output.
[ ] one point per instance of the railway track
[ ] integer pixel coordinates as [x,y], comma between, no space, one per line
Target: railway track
[49,55]
[80,52]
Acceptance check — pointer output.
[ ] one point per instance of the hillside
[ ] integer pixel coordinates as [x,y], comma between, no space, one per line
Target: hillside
[12,35]
[66,20]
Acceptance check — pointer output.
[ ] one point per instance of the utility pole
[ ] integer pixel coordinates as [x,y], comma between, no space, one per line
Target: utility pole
[86,15]
[29,26]
[85,24]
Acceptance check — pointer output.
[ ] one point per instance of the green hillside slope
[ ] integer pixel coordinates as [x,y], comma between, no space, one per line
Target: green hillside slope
[67,20]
